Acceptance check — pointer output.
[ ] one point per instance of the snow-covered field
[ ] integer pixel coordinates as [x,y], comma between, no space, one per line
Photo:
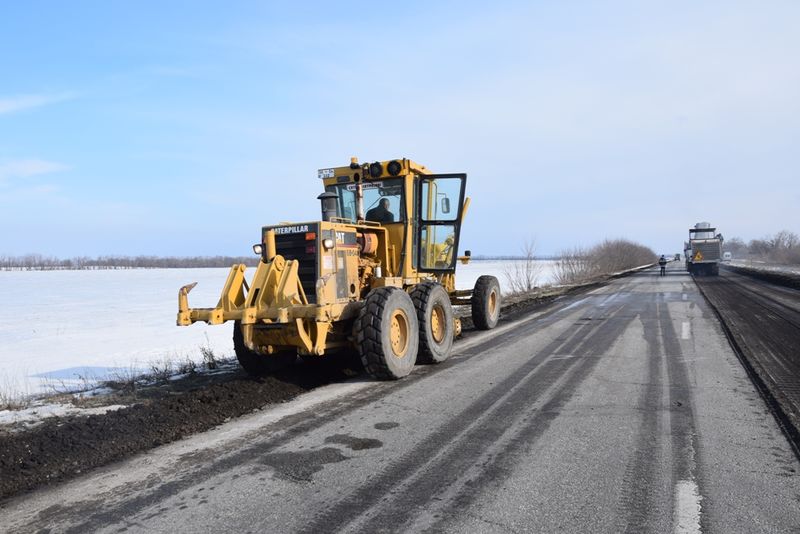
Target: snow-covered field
[58,325]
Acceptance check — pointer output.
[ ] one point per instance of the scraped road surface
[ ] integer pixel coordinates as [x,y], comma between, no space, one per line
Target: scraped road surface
[764,321]
[619,410]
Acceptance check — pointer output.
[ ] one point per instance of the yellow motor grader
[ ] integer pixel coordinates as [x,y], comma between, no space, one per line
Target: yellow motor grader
[376,274]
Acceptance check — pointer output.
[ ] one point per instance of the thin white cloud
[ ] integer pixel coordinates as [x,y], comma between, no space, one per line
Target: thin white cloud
[25,168]
[12,104]
[45,189]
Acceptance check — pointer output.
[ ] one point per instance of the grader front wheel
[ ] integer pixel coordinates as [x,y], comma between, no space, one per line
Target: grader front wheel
[435,318]
[258,364]
[388,333]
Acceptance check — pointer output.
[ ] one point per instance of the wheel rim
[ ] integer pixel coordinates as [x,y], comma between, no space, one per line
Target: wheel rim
[398,334]
[438,324]
[492,303]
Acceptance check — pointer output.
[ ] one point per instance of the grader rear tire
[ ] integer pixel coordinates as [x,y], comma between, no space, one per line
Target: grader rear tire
[435,318]
[486,302]
[259,364]
[388,333]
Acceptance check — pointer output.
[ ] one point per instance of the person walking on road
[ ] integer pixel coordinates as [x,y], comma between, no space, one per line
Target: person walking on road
[662,262]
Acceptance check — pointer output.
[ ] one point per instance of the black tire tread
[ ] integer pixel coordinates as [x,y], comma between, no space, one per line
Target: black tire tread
[369,333]
[479,301]
[419,296]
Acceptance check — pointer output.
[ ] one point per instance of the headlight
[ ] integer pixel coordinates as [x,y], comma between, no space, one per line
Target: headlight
[327,243]
[258,248]
[394,167]
[375,170]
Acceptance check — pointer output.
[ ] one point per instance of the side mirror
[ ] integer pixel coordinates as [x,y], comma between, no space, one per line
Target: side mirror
[445,205]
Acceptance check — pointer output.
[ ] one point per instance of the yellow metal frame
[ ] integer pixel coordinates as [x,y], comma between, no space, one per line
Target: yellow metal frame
[275,297]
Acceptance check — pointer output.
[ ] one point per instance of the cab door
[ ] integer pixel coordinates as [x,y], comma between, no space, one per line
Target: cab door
[437,218]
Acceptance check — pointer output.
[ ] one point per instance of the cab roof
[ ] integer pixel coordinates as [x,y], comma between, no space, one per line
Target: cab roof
[370,171]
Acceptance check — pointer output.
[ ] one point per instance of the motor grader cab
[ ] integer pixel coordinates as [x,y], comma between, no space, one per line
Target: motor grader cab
[376,274]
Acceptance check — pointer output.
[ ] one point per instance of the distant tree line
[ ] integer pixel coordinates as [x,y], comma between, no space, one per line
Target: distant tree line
[38,262]
[504,257]
[782,247]
[611,256]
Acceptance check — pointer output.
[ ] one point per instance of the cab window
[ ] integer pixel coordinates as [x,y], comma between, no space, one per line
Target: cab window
[383,200]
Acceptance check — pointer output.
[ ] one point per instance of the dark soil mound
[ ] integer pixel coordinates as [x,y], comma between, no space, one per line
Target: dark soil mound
[62,447]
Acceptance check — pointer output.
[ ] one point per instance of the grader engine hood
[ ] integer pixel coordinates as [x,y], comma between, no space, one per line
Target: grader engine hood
[327,255]
[300,243]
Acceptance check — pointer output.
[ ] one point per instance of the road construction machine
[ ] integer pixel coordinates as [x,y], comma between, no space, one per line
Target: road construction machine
[375,275]
[703,251]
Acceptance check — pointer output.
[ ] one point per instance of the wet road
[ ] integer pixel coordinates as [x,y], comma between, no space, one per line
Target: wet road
[620,410]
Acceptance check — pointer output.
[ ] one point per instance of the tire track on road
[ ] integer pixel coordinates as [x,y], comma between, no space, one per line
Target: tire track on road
[645,498]
[638,504]
[129,500]
[455,449]
[685,444]
[491,474]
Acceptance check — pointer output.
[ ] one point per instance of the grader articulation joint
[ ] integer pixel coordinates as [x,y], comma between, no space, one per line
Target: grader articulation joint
[376,274]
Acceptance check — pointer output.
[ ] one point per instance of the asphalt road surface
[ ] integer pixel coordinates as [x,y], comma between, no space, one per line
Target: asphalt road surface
[619,410]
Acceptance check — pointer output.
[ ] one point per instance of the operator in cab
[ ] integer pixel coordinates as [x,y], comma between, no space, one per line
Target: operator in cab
[381,213]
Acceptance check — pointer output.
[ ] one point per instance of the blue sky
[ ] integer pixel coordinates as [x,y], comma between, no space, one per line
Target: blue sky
[180,128]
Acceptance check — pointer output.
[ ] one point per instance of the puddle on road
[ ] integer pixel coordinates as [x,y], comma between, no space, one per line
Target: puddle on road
[356,444]
[301,466]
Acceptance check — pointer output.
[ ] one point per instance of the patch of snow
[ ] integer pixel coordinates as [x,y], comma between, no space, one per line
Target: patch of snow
[95,392]
[39,412]
[179,376]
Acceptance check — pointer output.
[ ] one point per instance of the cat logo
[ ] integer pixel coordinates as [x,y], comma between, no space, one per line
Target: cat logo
[698,256]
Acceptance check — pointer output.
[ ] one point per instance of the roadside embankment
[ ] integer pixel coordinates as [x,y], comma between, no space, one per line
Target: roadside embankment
[780,277]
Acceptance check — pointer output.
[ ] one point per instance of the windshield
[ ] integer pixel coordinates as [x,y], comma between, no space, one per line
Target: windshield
[383,200]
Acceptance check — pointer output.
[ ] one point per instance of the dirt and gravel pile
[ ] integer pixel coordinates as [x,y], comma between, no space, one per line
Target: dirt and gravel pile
[65,446]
